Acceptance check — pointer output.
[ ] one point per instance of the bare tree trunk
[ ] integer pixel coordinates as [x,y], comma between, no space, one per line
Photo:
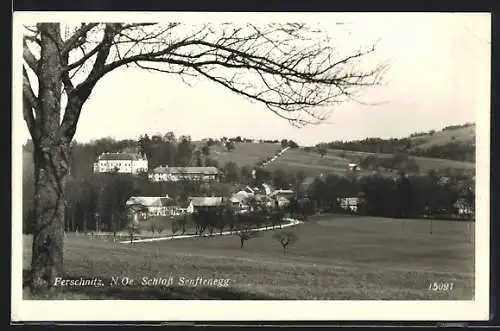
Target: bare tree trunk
[51,156]
[47,253]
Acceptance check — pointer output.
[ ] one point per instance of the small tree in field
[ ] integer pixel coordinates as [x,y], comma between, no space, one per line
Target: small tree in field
[152,228]
[132,230]
[182,221]
[159,228]
[245,231]
[246,234]
[286,238]
[277,217]
[175,226]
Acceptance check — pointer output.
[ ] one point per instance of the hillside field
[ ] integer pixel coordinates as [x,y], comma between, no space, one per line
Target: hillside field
[465,135]
[336,258]
[311,162]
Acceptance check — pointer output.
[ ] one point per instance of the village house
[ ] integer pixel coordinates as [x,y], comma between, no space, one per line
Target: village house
[282,193]
[353,166]
[196,203]
[350,203]
[174,174]
[126,163]
[155,206]
[463,208]
[239,200]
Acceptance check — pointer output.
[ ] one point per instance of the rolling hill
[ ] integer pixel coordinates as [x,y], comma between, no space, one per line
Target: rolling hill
[464,135]
[336,160]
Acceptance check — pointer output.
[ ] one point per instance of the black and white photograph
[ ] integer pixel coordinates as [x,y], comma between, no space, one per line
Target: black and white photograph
[250,166]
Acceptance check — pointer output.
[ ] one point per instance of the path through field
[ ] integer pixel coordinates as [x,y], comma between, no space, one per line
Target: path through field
[291,222]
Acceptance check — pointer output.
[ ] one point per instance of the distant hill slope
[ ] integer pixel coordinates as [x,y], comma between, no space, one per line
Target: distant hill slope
[244,153]
[313,164]
[464,135]
[453,143]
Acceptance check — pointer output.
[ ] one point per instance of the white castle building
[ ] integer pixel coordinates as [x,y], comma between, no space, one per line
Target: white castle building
[126,163]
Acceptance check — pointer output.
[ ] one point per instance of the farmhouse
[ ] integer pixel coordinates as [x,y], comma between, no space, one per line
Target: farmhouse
[196,203]
[463,208]
[350,203]
[127,163]
[353,166]
[282,193]
[155,206]
[174,174]
[282,201]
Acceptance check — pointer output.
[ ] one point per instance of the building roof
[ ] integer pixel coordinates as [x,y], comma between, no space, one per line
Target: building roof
[119,156]
[151,201]
[206,201]
[267,188]
[276,192]
[240,196]
[186,170]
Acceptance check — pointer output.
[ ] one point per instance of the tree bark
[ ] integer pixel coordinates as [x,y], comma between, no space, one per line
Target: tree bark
[47,251]
[51,159]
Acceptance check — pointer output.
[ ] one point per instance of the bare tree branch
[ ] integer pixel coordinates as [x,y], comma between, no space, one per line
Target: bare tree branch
[30,103]
[285,66]
[77,38]
[29,57]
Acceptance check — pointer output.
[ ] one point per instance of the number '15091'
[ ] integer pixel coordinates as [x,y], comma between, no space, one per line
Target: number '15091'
[440,286]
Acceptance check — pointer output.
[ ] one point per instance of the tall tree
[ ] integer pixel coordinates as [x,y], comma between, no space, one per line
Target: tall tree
[290,68]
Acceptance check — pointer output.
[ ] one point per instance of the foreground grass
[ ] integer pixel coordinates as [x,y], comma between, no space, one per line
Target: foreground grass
[336,258]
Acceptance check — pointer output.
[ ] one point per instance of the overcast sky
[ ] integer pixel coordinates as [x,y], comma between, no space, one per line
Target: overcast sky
[439,76]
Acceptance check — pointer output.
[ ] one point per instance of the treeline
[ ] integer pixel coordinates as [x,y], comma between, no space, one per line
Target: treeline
[398,161]
[371,145]
[404,196]
[454,127]
[453,151]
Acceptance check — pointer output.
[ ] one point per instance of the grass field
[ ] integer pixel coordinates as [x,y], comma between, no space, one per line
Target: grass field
[336,258]
[244,153]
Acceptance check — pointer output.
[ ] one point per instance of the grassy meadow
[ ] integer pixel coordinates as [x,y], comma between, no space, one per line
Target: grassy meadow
[337,257]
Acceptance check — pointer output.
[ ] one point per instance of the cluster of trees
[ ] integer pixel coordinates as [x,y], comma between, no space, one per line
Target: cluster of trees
[459,126]
[172,151]
[211,220]
[404,196]
[370,145]
[457,151]
[288,143]
[398,161]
